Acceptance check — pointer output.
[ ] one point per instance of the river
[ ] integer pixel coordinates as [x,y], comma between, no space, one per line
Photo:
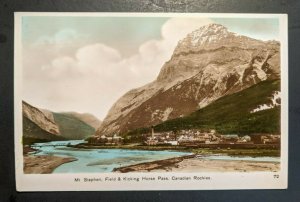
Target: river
[99,160]
[105,160]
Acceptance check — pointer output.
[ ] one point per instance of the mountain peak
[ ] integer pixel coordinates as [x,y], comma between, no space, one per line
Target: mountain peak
[210,30]
[213,36]
[205,35]
[207,64]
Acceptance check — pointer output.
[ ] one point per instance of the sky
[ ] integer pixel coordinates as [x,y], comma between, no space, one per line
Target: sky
[85,64]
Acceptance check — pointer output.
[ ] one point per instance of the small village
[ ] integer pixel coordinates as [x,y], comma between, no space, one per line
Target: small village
[192,138]
[106,140]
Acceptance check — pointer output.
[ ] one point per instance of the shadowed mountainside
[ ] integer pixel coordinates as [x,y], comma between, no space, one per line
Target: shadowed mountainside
[238,113]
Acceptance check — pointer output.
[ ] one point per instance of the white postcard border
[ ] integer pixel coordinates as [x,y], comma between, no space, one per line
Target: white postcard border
[205,181]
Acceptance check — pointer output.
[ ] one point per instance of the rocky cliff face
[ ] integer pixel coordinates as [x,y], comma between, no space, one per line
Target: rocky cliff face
[41,118]
[44,125]
[207,64]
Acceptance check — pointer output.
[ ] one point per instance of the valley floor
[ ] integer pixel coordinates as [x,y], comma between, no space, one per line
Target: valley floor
[45,164]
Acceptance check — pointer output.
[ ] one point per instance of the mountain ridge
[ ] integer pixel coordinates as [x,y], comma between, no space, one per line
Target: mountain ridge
[38,117]
[87,118]
[194,77]
[41,125]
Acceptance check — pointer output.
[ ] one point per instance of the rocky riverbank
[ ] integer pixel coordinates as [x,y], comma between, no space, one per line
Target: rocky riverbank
[148,166]
[44,164]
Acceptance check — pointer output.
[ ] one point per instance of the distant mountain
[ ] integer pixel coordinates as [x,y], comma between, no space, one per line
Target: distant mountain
[207,64]
[89,119]
[44,125]
[71,127]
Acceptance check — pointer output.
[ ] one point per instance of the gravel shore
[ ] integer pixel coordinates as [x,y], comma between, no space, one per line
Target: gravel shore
[190,163]
[201,165]
[44,164]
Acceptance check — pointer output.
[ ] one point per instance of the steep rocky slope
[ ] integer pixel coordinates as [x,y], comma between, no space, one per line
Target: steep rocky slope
[37,126]
[45,125]
[207,64]
[39,118]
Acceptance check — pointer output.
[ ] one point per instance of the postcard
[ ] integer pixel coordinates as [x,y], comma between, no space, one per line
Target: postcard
[150,101]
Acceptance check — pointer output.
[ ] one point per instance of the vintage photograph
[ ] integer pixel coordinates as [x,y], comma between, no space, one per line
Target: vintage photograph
[150,93]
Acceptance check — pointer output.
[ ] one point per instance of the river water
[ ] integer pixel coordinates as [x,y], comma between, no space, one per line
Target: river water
[105,160]
[99,160]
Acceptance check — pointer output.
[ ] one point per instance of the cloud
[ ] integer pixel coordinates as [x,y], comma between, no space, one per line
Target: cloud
[61,37]
[92,77]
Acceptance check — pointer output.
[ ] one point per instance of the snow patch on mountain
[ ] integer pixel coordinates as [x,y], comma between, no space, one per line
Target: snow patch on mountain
[275,99]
